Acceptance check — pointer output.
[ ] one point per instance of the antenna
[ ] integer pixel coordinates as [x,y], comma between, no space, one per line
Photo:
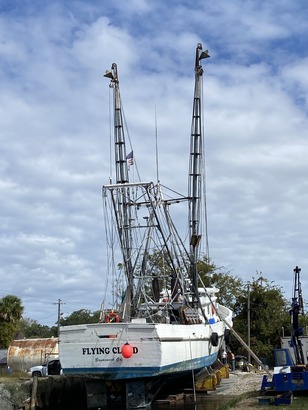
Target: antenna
[156,146]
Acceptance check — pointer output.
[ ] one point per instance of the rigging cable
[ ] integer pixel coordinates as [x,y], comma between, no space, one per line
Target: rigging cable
[109,230]
[207,250]
[156,147]
[130,143]
[110,136]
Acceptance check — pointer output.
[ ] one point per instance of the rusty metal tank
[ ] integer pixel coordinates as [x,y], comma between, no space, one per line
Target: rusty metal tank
[25,353]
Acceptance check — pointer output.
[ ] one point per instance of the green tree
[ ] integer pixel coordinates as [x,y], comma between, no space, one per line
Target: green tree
[268,314]
[269,310]
[11,310]
[31,329]
[80,317]
[230,287]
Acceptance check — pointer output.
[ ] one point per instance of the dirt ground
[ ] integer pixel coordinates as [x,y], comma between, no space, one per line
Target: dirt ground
[240,383]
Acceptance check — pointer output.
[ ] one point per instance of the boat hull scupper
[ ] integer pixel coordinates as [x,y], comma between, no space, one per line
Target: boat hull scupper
[156,349]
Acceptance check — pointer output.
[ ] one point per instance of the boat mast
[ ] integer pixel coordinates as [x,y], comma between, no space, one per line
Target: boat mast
[119,140]
[196,169]
[121,192]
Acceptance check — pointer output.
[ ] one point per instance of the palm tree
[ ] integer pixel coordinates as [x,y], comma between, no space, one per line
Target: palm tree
[11,308]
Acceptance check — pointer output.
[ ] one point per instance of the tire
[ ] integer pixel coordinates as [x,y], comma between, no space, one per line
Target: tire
[38,374]
[227,336]
[214,339]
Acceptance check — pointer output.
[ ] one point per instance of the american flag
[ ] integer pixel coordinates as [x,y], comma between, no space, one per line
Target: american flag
[130,158]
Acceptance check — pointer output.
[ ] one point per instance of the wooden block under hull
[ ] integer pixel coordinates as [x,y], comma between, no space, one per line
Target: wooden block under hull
[207,384]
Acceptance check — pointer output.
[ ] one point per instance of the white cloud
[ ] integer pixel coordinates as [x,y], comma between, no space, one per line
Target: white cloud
[54,134]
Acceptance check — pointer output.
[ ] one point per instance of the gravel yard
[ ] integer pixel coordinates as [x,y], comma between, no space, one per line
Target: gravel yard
[238,384]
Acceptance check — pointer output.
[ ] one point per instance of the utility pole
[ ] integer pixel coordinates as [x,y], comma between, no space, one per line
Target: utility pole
[59,303]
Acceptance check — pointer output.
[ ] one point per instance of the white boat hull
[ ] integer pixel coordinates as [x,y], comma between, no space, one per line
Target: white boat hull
[158,349]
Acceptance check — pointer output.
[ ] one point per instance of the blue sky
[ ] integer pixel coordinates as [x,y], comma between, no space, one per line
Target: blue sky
[55,133]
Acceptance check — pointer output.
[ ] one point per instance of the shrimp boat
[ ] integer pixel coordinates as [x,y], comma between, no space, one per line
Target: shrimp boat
[166,322]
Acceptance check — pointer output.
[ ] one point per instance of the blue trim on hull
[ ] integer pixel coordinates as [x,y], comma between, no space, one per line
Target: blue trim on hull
[120,373]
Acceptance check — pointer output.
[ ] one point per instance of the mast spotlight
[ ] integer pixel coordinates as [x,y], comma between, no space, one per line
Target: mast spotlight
[108,74]
[204,54]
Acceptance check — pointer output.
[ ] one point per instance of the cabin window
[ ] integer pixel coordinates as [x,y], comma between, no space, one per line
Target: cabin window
[281,358]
